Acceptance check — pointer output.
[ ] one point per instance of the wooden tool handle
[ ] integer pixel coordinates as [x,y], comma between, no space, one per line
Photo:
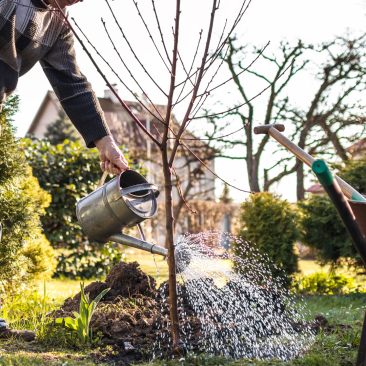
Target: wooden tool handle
[264,129]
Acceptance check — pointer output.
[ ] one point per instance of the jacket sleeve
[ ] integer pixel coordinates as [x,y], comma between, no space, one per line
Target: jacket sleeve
[73,90]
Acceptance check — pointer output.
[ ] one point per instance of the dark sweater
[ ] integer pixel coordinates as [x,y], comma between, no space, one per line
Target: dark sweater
[29,33]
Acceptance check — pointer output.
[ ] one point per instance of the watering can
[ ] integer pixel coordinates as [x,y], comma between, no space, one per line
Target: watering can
[123,202]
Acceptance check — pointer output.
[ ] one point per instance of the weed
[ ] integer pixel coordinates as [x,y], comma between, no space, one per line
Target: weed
[82,320]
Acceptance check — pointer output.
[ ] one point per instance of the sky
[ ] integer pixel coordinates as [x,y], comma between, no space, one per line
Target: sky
[312,21]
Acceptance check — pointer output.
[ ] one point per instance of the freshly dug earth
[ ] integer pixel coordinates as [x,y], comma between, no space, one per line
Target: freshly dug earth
[134,317]
[131,316]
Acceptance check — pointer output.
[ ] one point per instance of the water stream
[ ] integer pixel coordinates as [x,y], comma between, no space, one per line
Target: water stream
[243,310]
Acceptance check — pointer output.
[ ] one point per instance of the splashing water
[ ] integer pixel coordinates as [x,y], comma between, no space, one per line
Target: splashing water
[231,305]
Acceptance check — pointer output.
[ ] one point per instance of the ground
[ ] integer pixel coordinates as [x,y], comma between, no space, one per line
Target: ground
[335,349]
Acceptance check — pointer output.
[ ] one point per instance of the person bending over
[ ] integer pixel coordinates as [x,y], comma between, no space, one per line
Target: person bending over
[31,32]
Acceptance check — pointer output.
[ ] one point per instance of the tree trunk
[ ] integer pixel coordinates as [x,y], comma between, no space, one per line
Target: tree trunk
[300,181]
[171,255]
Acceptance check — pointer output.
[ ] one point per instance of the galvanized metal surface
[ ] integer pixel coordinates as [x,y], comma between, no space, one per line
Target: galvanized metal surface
[138,243]
[122,203]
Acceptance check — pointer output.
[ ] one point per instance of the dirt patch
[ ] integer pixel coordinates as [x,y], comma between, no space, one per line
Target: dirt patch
[134,316]
[131,316]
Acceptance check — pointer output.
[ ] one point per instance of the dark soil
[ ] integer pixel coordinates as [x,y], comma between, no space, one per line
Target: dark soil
[134,315]
[131,316]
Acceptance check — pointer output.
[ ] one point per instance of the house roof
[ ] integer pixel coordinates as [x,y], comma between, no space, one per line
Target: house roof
[50,97]
[316,188]
[122,127]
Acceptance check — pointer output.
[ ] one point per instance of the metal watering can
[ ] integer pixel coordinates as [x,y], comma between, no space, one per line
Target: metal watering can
[123,202]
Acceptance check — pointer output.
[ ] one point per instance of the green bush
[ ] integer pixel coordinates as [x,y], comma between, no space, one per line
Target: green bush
[323,230]
[269,222]
[25,254]
[354,173]
[69,172]
[326,283]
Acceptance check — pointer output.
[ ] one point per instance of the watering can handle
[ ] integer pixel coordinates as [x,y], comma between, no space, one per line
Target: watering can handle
[141,187]
[136,188]
[102,180]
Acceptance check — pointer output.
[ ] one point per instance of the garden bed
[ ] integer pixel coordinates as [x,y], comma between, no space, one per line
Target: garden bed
[133,317]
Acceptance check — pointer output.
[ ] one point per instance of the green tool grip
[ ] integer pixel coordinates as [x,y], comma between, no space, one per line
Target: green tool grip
[320,168]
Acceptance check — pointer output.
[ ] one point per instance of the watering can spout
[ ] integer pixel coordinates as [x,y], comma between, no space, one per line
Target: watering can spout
[138,243]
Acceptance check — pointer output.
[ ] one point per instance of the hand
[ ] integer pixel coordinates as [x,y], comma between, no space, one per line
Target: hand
[62,3]
[113,162]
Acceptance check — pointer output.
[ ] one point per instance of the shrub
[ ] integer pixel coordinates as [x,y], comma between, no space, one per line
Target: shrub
[354,173]
[69,172]
[25,254]
[270,223]
[323,230]
[326,283]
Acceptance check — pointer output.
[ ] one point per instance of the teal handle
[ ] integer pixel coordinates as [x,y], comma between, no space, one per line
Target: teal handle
[320,168]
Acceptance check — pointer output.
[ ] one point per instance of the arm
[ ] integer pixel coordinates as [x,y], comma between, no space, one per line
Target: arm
[80,102]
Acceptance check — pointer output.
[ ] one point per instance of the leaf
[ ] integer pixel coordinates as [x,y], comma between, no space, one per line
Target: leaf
[68,322]
[97,299]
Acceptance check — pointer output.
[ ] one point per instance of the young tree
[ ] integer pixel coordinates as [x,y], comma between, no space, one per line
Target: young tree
[197,79]
[25,254]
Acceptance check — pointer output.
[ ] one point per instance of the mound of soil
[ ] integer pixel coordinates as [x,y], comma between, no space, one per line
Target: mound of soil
[133,317]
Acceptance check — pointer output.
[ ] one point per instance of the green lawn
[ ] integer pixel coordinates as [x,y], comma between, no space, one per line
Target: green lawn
[23,312]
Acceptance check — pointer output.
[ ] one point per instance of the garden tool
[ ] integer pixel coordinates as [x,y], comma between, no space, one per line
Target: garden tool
[334,192]
[275,132]
[123,202]
[356,200]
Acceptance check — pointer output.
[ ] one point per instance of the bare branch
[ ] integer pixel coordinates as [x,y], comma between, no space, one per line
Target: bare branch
[151,37]
[133,52]
[161,33]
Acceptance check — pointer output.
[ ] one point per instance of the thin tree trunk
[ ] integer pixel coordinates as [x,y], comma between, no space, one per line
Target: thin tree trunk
[173,300]
[300,181]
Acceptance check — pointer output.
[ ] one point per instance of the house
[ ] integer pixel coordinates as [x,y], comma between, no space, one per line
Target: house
[126,132]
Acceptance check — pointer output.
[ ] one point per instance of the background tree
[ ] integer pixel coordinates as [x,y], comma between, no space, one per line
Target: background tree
[331,121]
[61,129]
[69,172]
[283,68]
[25,254]
[270,224]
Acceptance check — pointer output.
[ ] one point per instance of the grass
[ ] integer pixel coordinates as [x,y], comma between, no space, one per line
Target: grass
[53,348]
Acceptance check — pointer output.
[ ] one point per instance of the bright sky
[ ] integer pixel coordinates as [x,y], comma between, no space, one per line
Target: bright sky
[313,21]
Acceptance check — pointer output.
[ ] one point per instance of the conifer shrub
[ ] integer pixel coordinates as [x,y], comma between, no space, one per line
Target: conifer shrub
[269,224]
[322,229]
[354,173]
[68,172]
[25,254]
[62,129]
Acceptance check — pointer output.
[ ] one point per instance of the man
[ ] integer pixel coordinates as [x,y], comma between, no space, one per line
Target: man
[32,31]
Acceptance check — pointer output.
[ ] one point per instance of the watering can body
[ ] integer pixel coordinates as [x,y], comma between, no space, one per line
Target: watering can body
[123,202]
